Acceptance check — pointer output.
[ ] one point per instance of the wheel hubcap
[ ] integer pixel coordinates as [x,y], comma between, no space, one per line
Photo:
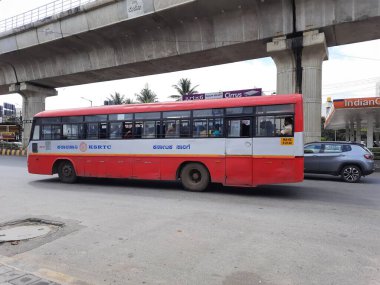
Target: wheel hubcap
[195,176]
[67,170]
[351,174]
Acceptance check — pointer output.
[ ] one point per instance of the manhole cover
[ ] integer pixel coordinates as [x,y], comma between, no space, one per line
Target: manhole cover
[18,236]
[23,232]
[27,229]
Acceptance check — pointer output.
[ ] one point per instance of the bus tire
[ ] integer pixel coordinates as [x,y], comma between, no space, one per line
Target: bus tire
[195,177]
[66,172]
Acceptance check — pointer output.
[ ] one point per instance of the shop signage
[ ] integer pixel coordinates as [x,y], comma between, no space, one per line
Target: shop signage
[225,94]
[7,135]
[358,103]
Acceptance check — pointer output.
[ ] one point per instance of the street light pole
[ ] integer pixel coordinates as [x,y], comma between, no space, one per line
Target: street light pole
[87,100]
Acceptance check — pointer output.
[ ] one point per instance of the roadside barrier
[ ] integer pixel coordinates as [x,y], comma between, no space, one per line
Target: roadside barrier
[15,152]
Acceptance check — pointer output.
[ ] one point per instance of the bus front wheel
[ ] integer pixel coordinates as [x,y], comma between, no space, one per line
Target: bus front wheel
[195,177]
[66,172]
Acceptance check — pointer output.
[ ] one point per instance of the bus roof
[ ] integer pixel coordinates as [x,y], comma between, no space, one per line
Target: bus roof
[178,105]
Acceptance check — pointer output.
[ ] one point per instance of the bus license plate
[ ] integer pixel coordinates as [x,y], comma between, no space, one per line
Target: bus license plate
[287,141]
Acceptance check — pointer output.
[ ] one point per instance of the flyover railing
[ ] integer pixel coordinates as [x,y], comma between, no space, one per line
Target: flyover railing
[40,13]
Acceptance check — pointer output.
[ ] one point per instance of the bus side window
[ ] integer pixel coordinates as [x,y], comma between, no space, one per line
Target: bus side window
[66,131]
[215,127]
[172,128]
[138,129]
[56,132]
[127,130]
[184,129]
[176,128]
[265,126]
[272,126]
[102,130]
[72,131]
[176,124]
[287,126]
[116,130]
[46,132]
[239,128]
[92,131]
[79,128]
[200,128]
[245,128]
[149,130]
[159,133]
[36,132]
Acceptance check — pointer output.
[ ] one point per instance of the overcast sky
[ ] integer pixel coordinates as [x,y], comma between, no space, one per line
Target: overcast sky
[351,71]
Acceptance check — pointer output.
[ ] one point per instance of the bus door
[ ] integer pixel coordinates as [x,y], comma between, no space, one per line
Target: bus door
[239,151]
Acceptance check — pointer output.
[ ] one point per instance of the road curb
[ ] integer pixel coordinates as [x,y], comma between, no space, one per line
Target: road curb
[14,152]
[11,275]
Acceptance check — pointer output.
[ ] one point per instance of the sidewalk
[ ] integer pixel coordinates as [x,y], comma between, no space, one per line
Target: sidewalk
[12,276]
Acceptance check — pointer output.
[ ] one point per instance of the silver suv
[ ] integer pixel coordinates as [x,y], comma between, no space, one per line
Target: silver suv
[349,160]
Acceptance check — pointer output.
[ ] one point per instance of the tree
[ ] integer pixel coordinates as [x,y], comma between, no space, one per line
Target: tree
[129,101]
[146,95]
[117,99]
[183,87]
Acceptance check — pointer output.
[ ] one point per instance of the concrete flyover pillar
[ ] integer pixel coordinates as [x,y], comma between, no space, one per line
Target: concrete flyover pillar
[358,131]
[33,103]
[314,52]
[282,54]
[370,128]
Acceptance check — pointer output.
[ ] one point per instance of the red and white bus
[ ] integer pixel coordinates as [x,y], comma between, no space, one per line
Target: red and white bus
[235,142]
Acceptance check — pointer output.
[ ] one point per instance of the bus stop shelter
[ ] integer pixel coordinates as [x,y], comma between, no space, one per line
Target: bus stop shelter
[355,115]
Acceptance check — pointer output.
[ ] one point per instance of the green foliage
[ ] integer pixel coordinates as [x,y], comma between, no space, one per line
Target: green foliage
[176,97]
[146,95]
[117,99]
[128,101]
[183,87]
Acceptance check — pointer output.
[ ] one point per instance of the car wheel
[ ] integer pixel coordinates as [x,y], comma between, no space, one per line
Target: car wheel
[66,172]
[351,173]
[195,177]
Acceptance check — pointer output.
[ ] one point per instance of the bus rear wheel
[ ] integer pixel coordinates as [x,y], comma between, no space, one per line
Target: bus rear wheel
[66,172]
[195,177]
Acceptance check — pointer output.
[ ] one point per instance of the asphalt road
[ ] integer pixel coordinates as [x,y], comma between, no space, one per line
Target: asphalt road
[321,231]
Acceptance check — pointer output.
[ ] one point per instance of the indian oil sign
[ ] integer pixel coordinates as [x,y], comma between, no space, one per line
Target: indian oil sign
[357,103]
